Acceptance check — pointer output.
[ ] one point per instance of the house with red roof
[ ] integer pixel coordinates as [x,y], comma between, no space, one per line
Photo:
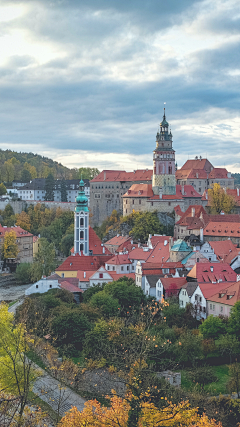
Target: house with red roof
[221,302]
[211,273]
[120,264]
[24,241]
[118,243]
[222,231]
[104,276]
[54,282]
[149,269]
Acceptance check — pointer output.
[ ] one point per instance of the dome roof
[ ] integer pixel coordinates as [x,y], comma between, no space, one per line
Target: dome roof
[164,121]
[81,199]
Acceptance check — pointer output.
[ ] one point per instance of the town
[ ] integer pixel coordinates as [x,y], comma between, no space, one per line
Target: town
[93,265]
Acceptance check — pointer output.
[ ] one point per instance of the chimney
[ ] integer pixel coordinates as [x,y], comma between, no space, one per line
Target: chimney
[103,250]
[193,212]
[160,192]
[211,269]
[201,235]
[104,175]
[182,189]
[206,195]
[197,174]
[84,274]
[238,192]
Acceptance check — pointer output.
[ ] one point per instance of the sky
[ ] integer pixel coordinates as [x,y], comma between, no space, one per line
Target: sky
[84,82]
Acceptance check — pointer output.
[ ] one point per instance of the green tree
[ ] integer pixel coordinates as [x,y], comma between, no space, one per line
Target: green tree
[24,272]
[234,381]
[220,200]
[67,243]
[107,304]
[49,188]
[10,247]
[92,291]
[44,261]
[228,345]
[88,173]
[69,330]
[3,189]
[129,296]
[212,327]
[189,348]
[142,224]
[234,320]
[26,175]
[63,191]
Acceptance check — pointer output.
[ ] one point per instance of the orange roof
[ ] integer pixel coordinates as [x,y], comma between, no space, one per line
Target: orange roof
[226,229]
[218,173]
[128,246]
[173,282]
[160,253]
[114,175]
[139,254]
[189,191]
[84,276]
[191,174]
[198,164]
[20,232]
[198,211]
[83,263]
[118,240]
[225,250]
[139,190]
[116,276]
[209,289]
[228,296]
[212,272]
[119,260]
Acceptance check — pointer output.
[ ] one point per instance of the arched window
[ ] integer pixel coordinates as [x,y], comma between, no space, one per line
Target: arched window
[82,221]
[81,235]
[170,170]
[81,247]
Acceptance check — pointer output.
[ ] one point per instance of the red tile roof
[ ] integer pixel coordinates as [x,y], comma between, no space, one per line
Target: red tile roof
[221,271]
[119,260]
[139,254]
[191,174]
[189,191]
[115,175]
[20,232]
[209,289]
[84,276]
[35,238]
[198,164]
[116,276]
[226,229]
[127,246]
[235,194]
[228,296]
[160,253]
[83,263]
[225,250]
[118,240]
[170,283]
[69,287]
[221,173]
[199,213]
[139,190]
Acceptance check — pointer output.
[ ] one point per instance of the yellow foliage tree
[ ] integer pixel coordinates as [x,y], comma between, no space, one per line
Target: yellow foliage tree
[10,247]
[23,221]
[117,414]
[220,200]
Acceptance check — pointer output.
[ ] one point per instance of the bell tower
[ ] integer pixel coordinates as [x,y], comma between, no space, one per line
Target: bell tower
[164,181]
[81,223]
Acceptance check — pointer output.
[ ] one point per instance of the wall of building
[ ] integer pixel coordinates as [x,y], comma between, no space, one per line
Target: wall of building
[216,309]
[42,286]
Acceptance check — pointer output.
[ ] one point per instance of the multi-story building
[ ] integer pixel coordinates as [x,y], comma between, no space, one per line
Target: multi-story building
[35,190]
[107,190]
[24,240]
[201,174]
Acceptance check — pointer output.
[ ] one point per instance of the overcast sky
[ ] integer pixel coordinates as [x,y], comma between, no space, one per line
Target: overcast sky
[84,81]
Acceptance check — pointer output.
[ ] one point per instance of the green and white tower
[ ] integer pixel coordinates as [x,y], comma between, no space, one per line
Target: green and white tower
[81,223]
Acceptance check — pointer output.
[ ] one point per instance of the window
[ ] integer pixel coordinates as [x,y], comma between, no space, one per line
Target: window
[50,286]
[37,286]
[210,306]
[159,293]
[197,259]
[200,299]
[133,202]
[113,267]
[62,274]
[108,267]
[121,268]
[81,234]
[100,275]
[213,307]
[132,267]
[140,201]
[82,221]
[81,247]
[127,267]
[221,309]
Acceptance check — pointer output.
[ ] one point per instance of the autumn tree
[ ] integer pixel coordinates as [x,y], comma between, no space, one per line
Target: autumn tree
[10,247]
[44,260]
[88,173]
[23,221]
[17,372]
[220,200]
[3,189]
[117,415]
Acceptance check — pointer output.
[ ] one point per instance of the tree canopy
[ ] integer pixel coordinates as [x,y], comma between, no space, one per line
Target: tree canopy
[220,200]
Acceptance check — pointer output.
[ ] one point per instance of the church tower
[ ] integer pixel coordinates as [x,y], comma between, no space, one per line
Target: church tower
[81,223]
[164,181]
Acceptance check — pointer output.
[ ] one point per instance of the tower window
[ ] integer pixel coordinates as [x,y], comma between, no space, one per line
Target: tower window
[81,221]
[81,235]
[81,247]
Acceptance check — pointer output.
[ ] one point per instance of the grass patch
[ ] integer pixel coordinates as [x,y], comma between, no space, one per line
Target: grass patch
[11,303]
[36,359]
[78,360]
[215,388]
[101,399]
[33,399]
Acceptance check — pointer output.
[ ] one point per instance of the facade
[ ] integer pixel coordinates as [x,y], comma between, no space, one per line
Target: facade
[201,174]
[222,231]
[207,251]
[81,223]
[107,190]
[35,190]
[24,240]
[222,302]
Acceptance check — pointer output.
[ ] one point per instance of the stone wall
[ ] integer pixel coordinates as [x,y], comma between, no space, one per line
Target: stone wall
[19,205]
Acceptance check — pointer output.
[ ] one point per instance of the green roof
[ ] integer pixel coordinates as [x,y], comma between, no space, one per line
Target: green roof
[164,122]
[186,258]
[180,246]
[81,199]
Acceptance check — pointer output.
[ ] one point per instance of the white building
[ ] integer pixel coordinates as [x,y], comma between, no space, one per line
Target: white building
[208,252]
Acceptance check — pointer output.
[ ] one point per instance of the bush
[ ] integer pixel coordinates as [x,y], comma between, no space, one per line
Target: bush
[23,273]
[203,375]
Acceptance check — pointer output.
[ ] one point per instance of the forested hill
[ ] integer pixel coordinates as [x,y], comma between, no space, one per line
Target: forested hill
[27,166]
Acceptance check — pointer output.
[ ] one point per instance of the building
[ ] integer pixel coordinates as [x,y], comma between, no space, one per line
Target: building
[223,300]
[114,244]
[55,282]
[35,189]
[107,190]
[81,223]
[201,174]
[24,240]
[211,273]
[222,231]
